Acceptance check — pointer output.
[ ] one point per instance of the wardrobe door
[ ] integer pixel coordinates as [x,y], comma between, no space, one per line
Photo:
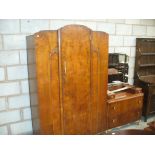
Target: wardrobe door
[46,47]
[75,63]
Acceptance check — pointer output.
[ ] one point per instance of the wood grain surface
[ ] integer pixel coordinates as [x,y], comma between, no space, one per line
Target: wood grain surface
[72,68]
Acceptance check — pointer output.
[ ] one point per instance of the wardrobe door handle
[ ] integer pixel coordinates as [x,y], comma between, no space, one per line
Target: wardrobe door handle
[65,68]
[114,120]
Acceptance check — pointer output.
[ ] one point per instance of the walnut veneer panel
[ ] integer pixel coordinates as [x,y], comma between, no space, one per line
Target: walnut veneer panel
[72,66]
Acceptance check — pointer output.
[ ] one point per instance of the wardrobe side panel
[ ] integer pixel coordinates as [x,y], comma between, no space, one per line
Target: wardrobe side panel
[102,46]
[48,82]
[94,82]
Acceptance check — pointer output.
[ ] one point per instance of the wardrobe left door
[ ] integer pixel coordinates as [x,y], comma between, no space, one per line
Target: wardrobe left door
[47,67]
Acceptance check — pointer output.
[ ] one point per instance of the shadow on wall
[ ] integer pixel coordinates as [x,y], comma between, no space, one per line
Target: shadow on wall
[31,59]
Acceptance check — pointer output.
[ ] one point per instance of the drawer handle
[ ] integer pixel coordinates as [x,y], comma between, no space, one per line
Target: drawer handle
[114,108]
[114,120]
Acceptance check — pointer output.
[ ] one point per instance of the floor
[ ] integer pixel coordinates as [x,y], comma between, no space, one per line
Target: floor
[135,125]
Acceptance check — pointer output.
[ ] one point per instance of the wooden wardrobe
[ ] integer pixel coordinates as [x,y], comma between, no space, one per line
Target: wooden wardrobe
[71,75]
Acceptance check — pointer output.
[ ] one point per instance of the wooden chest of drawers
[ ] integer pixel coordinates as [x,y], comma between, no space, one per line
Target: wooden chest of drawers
[124,107]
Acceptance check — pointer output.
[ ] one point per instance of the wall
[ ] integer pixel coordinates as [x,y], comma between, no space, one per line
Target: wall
[15,115]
